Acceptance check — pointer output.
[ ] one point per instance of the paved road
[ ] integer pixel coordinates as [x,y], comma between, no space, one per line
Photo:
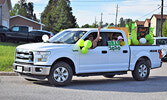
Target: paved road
[88,88]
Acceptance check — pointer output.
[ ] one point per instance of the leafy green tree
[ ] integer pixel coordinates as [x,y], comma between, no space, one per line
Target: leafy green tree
[86,26]
[15,10]
[58,16]
[122,22]
[164,29]
[24,9]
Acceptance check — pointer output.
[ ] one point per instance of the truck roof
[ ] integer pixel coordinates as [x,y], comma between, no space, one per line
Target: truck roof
[93,29]
[160,37]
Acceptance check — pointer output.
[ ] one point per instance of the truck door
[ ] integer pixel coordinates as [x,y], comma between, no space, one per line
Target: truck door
[13,33]
[23,33]
[96,60]
[118,59]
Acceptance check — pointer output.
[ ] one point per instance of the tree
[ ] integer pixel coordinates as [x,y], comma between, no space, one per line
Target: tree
[86,26]
[122,22]
[24,9]
[15,10]
[164,29]
[58,16]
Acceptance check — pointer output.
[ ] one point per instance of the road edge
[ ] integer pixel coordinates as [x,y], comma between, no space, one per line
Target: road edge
[8,74]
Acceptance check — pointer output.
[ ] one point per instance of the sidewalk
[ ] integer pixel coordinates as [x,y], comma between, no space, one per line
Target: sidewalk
[8,74]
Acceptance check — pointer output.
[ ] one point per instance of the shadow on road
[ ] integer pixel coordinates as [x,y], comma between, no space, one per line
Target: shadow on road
[118,84]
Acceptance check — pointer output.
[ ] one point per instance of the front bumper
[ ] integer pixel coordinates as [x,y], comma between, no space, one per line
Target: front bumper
[31,69]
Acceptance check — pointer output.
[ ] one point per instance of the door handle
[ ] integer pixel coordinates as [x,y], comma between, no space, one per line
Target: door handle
[104,52]
[125,51]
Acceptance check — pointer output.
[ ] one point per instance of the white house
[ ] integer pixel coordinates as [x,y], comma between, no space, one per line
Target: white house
[5,7]
[156,23]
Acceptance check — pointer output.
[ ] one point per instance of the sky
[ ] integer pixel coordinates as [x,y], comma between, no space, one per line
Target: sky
[86,11]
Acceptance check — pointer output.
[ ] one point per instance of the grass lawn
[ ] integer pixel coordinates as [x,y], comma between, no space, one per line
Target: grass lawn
[7,51]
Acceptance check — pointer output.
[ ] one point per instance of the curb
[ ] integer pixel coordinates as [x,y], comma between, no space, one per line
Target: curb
[8,74]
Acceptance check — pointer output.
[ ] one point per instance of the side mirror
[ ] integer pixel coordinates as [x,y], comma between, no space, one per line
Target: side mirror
[45,38]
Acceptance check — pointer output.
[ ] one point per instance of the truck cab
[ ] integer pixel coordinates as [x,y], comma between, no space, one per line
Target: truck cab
[60,57]
[18,33]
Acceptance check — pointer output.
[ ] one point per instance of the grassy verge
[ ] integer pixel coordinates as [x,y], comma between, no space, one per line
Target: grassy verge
[7,51]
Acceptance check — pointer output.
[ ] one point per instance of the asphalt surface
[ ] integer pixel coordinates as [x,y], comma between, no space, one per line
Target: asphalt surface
[121,87]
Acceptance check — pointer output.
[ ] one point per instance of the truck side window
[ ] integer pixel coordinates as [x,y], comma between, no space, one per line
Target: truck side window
[15,29]
[114,36]
[101,40]
[24,29]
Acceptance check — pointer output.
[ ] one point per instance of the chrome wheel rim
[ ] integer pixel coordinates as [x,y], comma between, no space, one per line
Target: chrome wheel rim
[143,70]
[60,74]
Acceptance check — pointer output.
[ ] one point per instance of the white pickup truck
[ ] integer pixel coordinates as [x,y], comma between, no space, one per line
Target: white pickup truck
[60,58]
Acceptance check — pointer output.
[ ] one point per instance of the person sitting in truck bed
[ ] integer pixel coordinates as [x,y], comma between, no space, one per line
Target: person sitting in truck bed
[94,41]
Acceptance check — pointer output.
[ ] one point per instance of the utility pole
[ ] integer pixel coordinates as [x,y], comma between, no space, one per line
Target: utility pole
[95,21]
[101,22]
[116,16]
[162,7]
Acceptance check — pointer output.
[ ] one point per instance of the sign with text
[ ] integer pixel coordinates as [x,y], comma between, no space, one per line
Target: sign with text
[142,32]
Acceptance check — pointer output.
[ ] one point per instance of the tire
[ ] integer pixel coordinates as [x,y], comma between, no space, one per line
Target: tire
[2,38]
[109,76]
[141,71]
[60,74]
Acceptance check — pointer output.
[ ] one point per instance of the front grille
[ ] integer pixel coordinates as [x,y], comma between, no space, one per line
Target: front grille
[24,56]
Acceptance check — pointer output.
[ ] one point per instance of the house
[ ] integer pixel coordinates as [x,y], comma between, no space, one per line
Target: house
[20,20]
[139,23]
[5,7]
[156,23]
[147,23]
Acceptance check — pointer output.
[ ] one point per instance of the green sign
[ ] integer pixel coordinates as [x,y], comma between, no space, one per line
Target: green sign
[114,45]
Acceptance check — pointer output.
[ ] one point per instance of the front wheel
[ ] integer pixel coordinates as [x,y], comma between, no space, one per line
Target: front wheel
[60,74]
[142,71]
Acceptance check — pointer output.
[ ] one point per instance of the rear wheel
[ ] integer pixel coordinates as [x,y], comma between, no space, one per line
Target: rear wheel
[60,74]
[142,71]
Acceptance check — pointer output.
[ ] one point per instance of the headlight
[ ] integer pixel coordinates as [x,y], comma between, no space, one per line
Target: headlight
[42,56]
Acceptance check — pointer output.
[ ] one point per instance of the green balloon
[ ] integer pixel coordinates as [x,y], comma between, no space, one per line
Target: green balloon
[84,50]
[133,26]
[129,42]
[151,29]
[81,43]
[151,41]
[87,44]
[135,42]
[148,37]
[127,25]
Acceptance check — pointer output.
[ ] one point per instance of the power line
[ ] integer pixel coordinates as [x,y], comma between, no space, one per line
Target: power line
[149,13]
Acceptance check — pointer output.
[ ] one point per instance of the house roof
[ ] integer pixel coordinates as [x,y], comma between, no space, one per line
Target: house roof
[158,16]
[140,22]
[26,19]
[8,1]
[148,20]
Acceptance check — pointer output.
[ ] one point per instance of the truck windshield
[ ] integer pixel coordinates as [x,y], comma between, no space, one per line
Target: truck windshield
[161,41]
[67,37]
